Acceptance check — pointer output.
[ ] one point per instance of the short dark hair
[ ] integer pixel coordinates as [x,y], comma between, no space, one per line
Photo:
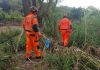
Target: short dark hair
[33,8]
[64,16]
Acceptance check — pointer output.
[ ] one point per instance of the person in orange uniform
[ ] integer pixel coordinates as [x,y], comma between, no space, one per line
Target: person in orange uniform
[65,29]
[33,34]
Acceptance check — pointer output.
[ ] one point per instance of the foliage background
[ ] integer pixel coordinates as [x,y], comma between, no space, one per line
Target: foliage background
[86,34]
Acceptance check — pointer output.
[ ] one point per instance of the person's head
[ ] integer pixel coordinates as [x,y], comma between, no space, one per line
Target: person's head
[65,16]
[33,9]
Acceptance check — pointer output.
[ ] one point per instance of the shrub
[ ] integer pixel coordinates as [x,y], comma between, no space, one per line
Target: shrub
[14,16]
[2,15]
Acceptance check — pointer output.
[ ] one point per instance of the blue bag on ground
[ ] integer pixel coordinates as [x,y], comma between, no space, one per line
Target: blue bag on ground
[47,43]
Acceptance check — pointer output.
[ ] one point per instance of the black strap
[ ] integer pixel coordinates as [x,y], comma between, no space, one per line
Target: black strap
[36,41]
[63,29]
[32,34]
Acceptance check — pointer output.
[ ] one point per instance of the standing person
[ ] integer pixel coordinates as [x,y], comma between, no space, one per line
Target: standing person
[65,30]
[31,28]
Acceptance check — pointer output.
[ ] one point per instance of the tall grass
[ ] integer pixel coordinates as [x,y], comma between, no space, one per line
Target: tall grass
[7,48]
[86,33]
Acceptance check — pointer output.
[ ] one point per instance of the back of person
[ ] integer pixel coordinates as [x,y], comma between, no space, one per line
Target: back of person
[65,29]
[64,24]
[28,22]
[32,34]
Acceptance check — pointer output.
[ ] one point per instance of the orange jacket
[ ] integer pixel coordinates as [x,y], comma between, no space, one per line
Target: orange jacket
[64,24]
[29,21]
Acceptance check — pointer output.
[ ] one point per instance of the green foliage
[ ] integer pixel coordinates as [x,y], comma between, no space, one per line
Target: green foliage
[86,32]
[22,42]
[11,10]
[71,59]
[86,64]
[15,5]
[78,35]
[60,62]
[10,16]
[8,5]
[7,63]
[6,36]
[14,16]
[7,49]
[76,13]
[7,60]
[2,14]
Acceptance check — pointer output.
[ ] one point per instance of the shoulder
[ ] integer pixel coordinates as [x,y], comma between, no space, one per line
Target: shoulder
[33,16]
[67,19]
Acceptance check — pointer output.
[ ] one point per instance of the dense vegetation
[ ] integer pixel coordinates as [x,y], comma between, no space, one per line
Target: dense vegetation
[86,36]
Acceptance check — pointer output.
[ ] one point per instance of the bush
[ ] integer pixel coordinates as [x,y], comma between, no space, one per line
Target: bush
[9,39]
[2,15]
[7,63]
[60,61]
[11,16]
[14,16]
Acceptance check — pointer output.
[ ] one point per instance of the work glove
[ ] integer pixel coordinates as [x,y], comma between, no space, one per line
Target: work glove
[44,37]
[35,28]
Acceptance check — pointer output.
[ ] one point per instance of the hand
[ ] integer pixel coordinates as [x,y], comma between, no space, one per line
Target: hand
[44,37]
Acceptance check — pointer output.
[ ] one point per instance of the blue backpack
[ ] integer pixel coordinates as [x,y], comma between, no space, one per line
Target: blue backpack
[47,43]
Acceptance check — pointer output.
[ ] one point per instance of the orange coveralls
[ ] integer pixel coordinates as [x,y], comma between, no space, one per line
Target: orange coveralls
[32,37]
[65,29]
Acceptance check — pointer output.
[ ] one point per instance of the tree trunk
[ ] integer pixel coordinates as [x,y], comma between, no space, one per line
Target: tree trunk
[26,6]
[34,2]
[5,5]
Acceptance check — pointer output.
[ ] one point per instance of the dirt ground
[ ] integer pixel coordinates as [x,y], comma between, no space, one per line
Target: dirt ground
[31,64]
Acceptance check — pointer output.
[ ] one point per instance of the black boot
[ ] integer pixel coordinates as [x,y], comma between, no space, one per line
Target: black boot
[38,59]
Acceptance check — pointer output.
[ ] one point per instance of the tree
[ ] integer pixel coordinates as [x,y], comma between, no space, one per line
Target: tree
[5,5]
[26,6]
[77,13]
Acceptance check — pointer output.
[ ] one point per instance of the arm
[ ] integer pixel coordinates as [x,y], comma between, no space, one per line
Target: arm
[35,27]
[35,24]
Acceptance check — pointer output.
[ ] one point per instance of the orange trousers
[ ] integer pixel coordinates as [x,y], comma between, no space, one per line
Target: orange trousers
[31,43]
[65,37]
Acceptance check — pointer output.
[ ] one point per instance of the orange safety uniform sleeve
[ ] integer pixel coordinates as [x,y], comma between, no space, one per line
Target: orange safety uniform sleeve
[34,20]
